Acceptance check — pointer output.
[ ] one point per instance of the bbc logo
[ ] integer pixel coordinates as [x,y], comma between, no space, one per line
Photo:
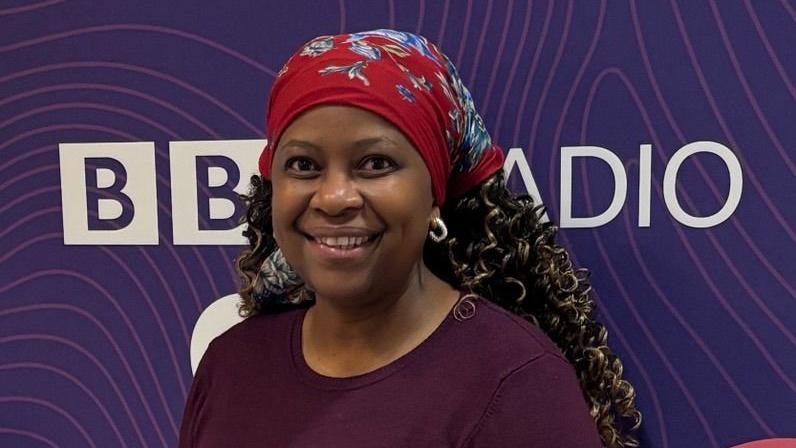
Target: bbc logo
[109,195]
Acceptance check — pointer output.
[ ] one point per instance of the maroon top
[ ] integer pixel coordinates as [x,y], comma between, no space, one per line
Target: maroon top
[493,380]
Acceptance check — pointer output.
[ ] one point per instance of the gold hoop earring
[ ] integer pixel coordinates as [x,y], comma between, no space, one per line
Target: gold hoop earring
[438,231]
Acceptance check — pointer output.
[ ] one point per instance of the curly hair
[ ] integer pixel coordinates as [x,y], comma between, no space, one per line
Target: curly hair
[499,248]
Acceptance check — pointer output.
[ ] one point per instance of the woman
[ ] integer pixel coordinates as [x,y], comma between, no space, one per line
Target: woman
[397,294]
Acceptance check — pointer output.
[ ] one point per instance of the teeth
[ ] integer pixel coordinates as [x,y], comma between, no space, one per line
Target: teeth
[342,242]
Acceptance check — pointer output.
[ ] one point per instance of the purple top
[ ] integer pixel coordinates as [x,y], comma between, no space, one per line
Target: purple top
[493,380]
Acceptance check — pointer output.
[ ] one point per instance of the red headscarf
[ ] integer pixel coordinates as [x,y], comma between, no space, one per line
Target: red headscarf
[402,78]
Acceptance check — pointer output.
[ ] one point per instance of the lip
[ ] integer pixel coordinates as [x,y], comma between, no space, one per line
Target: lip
[320,232]
[336,255]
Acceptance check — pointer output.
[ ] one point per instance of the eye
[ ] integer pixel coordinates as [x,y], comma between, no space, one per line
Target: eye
[301,165]
[377,164]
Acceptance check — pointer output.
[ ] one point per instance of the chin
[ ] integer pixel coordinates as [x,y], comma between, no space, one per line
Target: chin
[339,289]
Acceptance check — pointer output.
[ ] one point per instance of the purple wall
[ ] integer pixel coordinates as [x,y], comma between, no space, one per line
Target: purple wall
[94,339]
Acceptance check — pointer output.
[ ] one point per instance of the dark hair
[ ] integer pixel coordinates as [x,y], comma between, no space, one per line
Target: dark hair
[498,248]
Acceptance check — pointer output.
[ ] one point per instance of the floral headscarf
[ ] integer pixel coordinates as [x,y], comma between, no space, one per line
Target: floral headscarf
[402,78]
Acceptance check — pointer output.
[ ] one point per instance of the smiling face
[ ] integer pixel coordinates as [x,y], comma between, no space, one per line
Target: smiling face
[351,205]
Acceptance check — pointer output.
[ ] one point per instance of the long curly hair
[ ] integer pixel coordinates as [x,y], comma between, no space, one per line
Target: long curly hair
[499,248]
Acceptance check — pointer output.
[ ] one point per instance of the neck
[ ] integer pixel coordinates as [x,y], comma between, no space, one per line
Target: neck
[361,335]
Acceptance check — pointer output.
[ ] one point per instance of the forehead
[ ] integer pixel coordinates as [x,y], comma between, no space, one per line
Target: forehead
[332,124]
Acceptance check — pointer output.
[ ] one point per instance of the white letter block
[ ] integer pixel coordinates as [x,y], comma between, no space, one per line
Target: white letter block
[185,216]
[138,159]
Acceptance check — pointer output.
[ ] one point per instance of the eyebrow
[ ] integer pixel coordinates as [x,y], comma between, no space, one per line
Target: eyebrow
[359,144]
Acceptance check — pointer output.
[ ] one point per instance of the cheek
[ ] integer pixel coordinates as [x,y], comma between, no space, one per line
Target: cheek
[285,209]
[405,209]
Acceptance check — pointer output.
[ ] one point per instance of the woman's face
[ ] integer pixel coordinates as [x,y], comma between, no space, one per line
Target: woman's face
[352,203]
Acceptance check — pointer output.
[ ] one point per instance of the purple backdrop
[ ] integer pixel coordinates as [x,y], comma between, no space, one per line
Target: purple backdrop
[94,340]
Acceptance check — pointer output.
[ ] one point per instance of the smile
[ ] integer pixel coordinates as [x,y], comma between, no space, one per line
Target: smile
[342,248]
[344,242]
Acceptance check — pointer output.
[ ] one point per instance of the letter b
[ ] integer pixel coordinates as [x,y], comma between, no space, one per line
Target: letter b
[107,177]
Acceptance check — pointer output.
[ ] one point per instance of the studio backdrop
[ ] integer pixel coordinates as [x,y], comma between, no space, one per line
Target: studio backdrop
[659,134]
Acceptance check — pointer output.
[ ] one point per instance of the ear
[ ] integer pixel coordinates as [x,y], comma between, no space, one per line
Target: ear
[435,213]
[274,231]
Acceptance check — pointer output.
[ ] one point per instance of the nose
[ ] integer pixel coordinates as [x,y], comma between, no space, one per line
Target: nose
[337,193]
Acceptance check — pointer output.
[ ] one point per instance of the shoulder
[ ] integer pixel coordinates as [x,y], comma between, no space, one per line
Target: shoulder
[539,402]
[535,381]
[251,342]
[257,328]
[260,334]
[509,337]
